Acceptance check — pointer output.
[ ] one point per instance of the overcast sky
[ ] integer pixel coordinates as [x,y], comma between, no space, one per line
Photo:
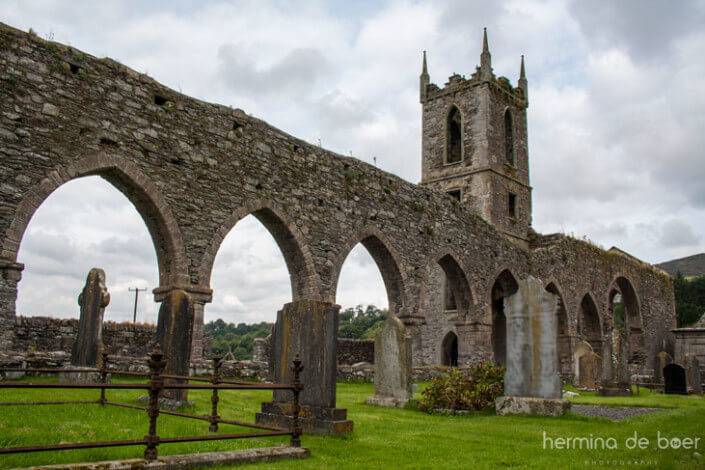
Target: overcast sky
[616,122]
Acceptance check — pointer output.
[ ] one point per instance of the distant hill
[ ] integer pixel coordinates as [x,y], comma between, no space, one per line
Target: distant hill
[688,266]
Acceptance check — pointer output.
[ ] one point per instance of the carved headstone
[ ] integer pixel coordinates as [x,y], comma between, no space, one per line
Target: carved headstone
[580,348]
[615,379]
[392,365]
[532,383]
[693,380]
[674,379]
[590,369]
[662,360]
[92,300]
[174,332]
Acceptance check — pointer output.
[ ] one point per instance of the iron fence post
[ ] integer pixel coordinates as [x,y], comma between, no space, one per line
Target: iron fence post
[217,362]
[296,409]
[103,376]
[156,385]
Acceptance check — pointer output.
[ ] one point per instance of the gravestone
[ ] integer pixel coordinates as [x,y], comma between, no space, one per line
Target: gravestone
[615,379]
[580,348]
[308,328]
[93,299]
[674,379]
[590,369]
[693,380]
[662,360]
[174,332]
[531,383]
[392,365]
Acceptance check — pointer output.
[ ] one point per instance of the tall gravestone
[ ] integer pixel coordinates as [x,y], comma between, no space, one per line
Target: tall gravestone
[532,384]
[590,366]
[693,380]
[174,333]
[674,381]
[580,348]
[89,339]
[615,379]
[392,365]
[662,360]
[308,328]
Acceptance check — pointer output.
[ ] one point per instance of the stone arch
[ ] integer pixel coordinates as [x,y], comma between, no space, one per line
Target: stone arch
[297,256]
[449,350]
[385,257]
[139,190]
[590,323]
[505,284]
[509,137]
[633,323]
[457,285]
[454,135]
[562,330]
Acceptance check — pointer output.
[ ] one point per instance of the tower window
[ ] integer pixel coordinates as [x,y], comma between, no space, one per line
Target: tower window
[512,205]
[509,137]
[455,193]
[454,136]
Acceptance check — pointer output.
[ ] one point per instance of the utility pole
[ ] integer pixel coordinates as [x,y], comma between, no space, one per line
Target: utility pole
[137,293]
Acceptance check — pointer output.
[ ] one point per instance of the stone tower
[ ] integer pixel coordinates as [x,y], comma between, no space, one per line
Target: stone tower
[474,144]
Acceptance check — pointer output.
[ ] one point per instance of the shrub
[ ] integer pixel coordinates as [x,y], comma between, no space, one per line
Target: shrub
[474,388]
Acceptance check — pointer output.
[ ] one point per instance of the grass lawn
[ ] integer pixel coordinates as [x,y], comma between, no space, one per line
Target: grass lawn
[383,437]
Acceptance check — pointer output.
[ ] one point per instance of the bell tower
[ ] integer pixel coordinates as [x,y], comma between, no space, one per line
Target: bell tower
[474,144]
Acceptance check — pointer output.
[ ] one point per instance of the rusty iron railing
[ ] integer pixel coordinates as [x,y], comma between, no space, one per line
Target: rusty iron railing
[156,386]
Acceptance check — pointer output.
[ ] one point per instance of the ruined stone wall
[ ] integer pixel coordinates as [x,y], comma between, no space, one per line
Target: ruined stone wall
[350,351]
[193,169]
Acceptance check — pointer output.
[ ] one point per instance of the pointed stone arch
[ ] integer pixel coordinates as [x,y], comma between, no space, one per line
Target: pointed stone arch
[509,137]
[139,190]
[590,323]
[305,283]
[563,333]
[387,261]
[449,350]
[633,323]
[504,285]
[454,135]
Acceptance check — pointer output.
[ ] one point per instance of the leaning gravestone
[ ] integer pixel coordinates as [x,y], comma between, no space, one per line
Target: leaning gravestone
[662,360]
[693,380]
[88,346]
[531,383]
[174,332]
[674,379]
[392,365]
[590,368]
[615,379]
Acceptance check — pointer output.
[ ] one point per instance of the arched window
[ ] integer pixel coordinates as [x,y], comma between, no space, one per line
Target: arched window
[508,137]
[454,136]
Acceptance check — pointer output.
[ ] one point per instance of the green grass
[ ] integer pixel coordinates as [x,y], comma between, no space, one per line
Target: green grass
[383,437]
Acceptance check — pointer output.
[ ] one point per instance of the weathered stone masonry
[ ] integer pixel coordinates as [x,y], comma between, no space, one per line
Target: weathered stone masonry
[194,169]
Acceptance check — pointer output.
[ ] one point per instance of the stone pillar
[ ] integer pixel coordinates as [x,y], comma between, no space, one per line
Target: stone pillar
[308,328]
[532,384]
[174,330]
[474,342]
[259,349]
[392,365]
[692,374]
[10,275]
[88,345]
[200,296]
[615,368]
[413,325]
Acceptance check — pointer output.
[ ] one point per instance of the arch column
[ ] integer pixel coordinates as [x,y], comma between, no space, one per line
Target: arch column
[10,275]
[200,296]
[413,324]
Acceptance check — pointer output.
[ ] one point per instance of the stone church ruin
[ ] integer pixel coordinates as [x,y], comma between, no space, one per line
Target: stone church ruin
[449,249]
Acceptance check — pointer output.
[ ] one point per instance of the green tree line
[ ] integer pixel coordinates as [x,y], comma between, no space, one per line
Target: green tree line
[690,298]
[356,323]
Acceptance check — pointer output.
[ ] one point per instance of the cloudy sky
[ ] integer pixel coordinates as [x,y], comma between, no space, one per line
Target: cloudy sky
[616,122]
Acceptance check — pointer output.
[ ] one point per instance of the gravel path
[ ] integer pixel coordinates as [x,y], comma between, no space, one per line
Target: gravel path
[611,412]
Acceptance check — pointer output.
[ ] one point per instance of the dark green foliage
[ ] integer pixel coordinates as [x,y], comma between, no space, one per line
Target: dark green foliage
[690,299]
[619,318]
[356,323]
[239,338]
[474,388]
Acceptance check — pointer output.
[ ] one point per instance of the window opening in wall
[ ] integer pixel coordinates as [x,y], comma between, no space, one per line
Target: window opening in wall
[455,193]
[512,205]
[448,296]
[508,137]
[159,100]
[454,151]
[449,350]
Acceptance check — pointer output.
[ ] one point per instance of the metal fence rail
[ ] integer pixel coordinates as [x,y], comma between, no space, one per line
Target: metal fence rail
[155,386]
